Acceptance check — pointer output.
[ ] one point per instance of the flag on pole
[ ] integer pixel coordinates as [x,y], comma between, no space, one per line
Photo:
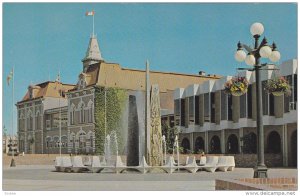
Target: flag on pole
[58,77]
[9,77]
[92,13]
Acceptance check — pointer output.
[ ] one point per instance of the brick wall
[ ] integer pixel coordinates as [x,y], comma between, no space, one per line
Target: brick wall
[258,184]
[250,160]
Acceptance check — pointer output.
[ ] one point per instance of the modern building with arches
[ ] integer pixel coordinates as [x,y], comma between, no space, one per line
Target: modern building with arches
[214,122]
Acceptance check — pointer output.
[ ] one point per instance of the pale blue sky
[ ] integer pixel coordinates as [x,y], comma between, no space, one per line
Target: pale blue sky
[41,38]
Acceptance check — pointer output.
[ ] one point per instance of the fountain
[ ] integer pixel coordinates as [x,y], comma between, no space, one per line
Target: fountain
[107,150]
[164,149]
[176,145]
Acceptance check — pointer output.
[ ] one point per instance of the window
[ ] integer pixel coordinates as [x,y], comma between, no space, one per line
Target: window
[229,108]
[191,110]
[182,114]
[29,121]
[224,105]
[90,114]
[82,140]
[38,121]
[91,141]
[197,110]
[212,107]
[177,111]
[249,101]
[295,91]
[48,122]
[81,114]
[206,108]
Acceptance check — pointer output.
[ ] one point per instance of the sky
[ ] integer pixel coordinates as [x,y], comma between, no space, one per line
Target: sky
[41,39]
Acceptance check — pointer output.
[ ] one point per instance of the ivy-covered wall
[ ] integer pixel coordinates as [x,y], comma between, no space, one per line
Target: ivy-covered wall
[115,105]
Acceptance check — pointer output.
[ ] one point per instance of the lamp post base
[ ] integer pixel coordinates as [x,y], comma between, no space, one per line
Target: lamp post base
[12,163]
[260,172]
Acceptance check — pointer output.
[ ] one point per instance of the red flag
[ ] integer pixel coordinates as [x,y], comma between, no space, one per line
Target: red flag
[92,13]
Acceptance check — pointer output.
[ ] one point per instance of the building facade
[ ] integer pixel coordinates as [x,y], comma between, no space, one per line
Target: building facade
[214,122]
[33,121]
[38,111]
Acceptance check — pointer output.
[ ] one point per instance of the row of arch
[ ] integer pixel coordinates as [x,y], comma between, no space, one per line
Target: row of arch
[232,145]
[29,113]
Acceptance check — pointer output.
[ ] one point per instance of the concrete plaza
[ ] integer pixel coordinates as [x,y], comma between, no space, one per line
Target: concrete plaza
[43,178]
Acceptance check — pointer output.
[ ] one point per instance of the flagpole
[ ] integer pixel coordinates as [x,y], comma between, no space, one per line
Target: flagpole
[93,24]
[12,111]
[59,116]
[12,164]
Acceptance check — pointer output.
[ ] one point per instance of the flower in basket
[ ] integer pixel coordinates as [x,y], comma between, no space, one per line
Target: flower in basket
[236,86]
[278,86]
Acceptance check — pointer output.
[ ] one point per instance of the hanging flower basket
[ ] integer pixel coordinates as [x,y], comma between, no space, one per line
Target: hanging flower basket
[236,86]
[278,86]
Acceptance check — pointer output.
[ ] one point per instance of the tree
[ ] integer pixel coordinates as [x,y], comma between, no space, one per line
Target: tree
[169,133]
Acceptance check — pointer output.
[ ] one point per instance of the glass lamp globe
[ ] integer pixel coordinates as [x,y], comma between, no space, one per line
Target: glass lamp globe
[265,51]
[275,56]
[257,29]
[250,59]
[240,55]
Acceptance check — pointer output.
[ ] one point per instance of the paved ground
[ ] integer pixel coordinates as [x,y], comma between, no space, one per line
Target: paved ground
[43,178]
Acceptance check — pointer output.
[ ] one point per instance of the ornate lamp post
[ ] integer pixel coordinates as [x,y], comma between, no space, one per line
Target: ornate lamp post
[253,59]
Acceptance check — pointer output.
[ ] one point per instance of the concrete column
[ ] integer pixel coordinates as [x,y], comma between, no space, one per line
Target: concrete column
[201,110]
[206,142]
[241,134]
[223,141]
[69,143]
[192,141]
[235,109]
[285,157]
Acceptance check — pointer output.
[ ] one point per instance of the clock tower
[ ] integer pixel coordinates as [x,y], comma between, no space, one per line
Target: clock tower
[93,54]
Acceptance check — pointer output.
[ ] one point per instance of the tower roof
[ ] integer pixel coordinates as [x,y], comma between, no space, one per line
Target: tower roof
[93,52]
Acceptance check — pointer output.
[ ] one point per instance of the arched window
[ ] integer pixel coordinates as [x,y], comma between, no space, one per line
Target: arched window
[56,141]
[294,149]
[90,112]
[38,120]
[232,144]
[29,120]
[82,140]
[185,145]
[215,146]
[274,143]
[64,141]
[249,143]
[72,114]
[199,145]
[81,113]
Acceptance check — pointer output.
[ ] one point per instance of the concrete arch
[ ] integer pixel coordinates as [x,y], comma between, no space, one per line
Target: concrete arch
[199,144]
[250,143]
[274,142]
[90,103]
[215,145]
[232,144]
[185,143]
[294,149]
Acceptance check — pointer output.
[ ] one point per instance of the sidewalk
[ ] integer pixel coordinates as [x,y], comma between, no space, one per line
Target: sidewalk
[43,177]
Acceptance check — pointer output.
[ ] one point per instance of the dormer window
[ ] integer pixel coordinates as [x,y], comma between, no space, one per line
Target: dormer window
[81,82]
[30,90]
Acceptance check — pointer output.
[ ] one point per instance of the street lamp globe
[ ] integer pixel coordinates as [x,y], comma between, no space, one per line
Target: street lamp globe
[240,55]
[275,56]
[250,59]
[265,51]
[257,29]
